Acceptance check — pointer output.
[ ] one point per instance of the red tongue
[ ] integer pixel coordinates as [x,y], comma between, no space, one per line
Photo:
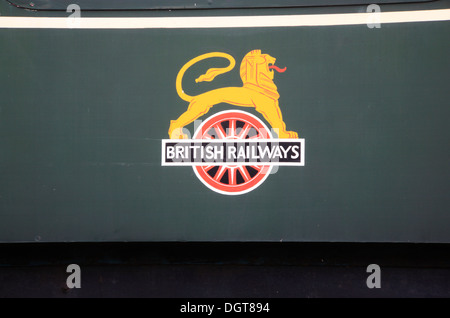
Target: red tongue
[276,68]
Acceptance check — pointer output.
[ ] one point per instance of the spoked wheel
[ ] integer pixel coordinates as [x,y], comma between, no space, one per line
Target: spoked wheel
[232,179]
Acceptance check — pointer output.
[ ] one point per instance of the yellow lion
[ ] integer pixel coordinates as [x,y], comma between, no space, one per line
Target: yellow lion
[258,91]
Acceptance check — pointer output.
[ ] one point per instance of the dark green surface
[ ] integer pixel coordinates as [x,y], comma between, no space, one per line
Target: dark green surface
[83,112]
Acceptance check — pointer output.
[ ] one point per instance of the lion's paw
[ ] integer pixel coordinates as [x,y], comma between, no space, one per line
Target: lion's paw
[177,133]
[292,134]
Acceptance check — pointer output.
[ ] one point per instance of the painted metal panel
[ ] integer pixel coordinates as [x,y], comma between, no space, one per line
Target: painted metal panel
[83,113]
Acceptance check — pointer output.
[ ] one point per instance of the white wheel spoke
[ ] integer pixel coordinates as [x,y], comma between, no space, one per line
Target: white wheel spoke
[221,134]
[244,131]
[258,168]
[232,175]
[244,173]
[232,128]
[220,173]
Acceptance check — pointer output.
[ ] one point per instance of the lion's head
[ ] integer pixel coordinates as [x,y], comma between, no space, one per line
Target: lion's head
[256,72]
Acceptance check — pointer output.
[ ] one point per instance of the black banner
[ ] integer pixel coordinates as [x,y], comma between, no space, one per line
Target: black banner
[219,152]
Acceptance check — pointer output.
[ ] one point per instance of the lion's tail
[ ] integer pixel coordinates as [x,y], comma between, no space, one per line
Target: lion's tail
[208,76]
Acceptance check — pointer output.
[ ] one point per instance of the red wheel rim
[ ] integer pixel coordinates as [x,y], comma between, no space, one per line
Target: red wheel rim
[230,179]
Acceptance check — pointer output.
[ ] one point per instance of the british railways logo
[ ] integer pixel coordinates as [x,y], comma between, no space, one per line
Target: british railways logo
[233,152]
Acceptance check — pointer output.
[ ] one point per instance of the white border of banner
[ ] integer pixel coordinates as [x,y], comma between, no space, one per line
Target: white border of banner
[269,21]
[190,164]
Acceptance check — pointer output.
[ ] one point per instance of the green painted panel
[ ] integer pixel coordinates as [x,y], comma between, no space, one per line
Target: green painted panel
[83,113]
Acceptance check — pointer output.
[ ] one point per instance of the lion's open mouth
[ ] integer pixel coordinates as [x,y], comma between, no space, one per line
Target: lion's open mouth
[276,68]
